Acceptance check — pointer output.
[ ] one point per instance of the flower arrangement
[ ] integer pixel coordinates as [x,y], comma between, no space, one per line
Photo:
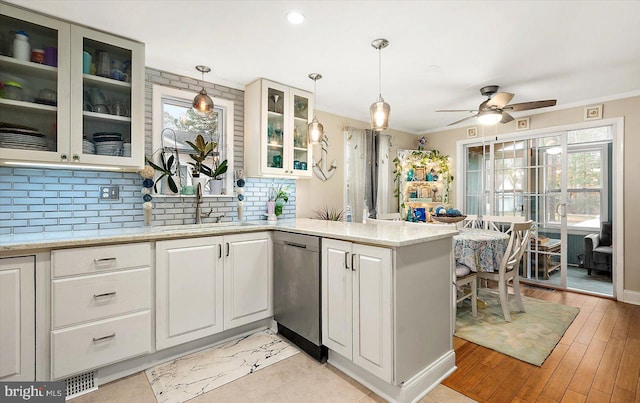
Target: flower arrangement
[422,141]
[279,195]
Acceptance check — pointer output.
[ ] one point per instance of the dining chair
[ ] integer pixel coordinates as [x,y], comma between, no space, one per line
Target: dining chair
[384,222]
[470,221]
[466,277]
[509,266]
[499,222]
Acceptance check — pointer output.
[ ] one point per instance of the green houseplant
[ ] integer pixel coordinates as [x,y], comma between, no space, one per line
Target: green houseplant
[168,170]
[203,149]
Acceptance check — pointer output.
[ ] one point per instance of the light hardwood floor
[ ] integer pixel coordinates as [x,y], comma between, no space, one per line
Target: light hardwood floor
[597,360]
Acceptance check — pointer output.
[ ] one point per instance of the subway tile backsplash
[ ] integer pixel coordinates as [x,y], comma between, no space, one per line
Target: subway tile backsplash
[43,200]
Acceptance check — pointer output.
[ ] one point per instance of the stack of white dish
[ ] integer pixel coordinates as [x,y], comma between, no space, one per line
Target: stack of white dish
[88,147]
[23,139]
[108,143]
[126,150]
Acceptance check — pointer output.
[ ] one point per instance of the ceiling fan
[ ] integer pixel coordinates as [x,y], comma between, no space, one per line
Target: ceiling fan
[495,109]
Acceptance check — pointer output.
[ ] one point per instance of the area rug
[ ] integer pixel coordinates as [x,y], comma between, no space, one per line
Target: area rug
[190,376]
[530,337]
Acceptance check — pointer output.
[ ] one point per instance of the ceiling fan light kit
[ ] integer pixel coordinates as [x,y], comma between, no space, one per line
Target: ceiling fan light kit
[380,110]
[496,107]
[202,103]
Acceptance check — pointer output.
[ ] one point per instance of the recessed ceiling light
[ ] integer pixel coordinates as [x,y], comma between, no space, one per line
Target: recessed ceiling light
[295,17]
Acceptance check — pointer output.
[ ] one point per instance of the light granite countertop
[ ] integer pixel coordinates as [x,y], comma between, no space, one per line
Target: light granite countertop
[369,233]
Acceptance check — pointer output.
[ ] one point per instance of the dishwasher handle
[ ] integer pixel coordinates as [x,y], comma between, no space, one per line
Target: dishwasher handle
[296,245]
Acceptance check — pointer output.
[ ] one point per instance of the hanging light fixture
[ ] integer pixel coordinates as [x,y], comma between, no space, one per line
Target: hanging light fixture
[489,117]
[380,110]
[316,130]
[202,103]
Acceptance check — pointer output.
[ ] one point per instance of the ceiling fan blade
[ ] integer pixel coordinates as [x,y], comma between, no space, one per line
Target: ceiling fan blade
[506,118]
[457,110]
[462,120]
[525,106]
[500,99]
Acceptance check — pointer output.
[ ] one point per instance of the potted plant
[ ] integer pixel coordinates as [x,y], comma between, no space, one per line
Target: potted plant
[168,172]
[203,149]
[219,169]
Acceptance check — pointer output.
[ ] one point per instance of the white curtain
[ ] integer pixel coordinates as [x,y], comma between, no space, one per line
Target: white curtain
[382,204]
[355,171]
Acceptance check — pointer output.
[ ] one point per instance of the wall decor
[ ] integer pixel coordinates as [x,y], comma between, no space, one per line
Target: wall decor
[419,174]
[593,112]
[472,132]
[522,124]
[320,167]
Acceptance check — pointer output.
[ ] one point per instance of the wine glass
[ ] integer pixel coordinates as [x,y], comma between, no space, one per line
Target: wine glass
[276,97]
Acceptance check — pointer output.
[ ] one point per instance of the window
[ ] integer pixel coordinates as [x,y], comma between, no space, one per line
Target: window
[175,123]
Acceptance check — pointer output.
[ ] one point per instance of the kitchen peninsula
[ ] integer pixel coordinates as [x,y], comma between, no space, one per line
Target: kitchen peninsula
[386,298]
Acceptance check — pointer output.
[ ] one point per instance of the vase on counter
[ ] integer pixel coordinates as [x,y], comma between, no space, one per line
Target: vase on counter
[199,180]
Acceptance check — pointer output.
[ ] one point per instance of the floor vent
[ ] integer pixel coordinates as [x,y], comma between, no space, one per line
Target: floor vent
[80,384]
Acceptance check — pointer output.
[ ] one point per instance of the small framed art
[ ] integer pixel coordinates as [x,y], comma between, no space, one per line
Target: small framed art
[522,124]
[472,132]
[593,112]
[419,174]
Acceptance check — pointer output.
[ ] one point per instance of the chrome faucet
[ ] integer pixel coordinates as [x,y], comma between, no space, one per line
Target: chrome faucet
[199,205]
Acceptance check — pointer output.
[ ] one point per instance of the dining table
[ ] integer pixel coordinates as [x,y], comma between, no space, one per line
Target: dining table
[481,250]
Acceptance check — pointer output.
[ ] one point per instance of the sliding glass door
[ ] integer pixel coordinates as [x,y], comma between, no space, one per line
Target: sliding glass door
[560,181]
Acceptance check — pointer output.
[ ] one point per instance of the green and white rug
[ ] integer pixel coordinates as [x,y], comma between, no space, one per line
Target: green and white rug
[532,335]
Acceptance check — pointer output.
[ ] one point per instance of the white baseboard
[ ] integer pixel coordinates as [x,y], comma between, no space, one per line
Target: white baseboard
[631,297]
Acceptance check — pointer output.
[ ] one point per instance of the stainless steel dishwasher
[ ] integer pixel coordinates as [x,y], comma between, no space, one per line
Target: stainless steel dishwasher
[296,289]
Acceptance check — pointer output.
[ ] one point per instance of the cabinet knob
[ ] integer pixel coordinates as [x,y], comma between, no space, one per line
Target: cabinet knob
[76,158]
[64,157]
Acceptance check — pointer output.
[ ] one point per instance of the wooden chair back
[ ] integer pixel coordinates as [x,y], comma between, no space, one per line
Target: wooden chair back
[518,243]
[471,221]
[498,222]
[388,216]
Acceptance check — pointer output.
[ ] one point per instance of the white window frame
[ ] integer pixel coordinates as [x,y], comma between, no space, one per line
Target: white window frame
[225,124]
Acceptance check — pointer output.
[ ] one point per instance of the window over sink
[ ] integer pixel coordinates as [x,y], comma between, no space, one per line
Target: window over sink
[175,123]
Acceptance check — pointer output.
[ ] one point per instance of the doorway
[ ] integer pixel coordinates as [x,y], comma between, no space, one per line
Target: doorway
[562,180]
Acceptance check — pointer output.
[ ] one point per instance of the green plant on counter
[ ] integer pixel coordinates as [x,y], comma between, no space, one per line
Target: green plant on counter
[328,214]
[217,172]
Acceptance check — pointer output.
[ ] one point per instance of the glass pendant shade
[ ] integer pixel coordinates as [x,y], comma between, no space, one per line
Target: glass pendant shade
[202,103]
[380,111]
[489,117]
[316,131]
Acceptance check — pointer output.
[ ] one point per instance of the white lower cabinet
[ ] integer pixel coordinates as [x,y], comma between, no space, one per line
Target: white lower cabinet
[100,306]
[357,304]
[17,319]
[207,285]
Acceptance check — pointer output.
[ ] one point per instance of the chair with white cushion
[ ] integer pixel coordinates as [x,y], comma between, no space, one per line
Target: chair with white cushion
[465,277]
[509,266]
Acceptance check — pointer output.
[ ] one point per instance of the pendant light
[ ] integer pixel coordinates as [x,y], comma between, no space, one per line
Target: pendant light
[202,103]
[380,110]
[316,130]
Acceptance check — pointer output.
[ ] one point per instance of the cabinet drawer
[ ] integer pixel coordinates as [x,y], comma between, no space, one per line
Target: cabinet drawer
[96,344]
[68,262]
[86,298]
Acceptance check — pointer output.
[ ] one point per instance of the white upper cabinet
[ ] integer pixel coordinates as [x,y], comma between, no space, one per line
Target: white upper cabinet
[276,130]
[58,113]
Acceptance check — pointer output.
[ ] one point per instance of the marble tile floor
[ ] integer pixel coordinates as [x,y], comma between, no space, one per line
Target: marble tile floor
[298,378]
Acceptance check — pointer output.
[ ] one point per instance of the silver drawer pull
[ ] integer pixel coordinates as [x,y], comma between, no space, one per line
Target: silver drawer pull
[106,294]
[104,260]
[111,336]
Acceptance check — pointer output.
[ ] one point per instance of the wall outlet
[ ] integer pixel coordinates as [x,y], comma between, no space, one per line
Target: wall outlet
[109,192]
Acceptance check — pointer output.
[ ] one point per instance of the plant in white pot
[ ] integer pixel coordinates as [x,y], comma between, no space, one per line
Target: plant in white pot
[216,174]
[203,149]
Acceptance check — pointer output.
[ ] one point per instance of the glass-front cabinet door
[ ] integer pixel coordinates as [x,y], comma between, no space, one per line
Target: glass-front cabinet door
[301,154]
[34,72]
[107,87]
[285,129]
